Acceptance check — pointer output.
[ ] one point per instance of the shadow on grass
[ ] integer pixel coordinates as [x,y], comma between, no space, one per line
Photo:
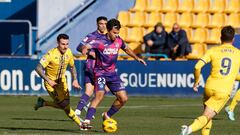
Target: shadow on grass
[192,118]
[43,119]
[39,129]
[49,129]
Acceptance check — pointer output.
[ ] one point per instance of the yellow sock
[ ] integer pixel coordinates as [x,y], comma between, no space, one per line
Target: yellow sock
[199,123]
[51,104]
[235,99]
[206,130]
[71,114]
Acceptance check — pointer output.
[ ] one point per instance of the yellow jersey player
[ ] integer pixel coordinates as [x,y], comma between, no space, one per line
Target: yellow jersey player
[230,109]
[55,63]
[225,64]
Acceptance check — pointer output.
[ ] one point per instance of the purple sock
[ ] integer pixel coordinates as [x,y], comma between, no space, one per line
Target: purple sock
[90,113]
[112,111]
[83,101]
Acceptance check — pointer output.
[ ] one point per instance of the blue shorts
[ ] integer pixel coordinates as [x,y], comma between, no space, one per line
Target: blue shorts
[114,83]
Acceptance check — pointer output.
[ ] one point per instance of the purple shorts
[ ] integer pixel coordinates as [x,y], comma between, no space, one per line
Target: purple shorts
[88,68]
[88,77]
[114,83]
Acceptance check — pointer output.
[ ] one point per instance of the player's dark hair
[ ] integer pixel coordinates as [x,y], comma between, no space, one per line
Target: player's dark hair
[101,18]
[62,36]
[227,34]
[113,23]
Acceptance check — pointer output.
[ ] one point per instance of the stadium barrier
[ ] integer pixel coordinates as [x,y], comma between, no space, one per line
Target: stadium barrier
[158,78]
[16,37]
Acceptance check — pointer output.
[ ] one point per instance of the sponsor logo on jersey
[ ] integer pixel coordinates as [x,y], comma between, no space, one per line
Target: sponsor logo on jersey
[110,51]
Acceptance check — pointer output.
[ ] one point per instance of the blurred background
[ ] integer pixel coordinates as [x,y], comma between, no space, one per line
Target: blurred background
[28,29]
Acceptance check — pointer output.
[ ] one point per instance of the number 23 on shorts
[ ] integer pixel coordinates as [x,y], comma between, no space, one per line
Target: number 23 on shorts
[101,81]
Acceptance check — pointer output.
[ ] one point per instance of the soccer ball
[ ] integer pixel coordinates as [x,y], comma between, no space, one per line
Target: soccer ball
[109,125]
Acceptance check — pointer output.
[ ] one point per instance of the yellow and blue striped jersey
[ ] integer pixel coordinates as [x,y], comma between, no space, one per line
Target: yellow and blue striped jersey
[55,63]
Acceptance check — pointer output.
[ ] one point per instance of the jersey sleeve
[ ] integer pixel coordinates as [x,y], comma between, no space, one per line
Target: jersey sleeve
[201,62]
[86,40]
[71,62]
[45,59]
[207,57]
[124,46]
[94,44]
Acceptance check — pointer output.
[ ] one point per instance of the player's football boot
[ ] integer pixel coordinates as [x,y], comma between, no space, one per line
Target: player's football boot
[229,113]
[40,102]
[184,130]
[85,125]
[105,116]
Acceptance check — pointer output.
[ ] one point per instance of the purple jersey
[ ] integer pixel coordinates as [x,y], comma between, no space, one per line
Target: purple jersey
[92,36]
[106,55]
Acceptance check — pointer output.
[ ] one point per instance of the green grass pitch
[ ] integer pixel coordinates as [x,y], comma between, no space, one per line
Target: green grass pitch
[141,115]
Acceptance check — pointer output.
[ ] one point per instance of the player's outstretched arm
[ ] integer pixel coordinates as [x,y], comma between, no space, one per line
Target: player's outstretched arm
[197,73]
[74,75]
[133,55]
[40,70]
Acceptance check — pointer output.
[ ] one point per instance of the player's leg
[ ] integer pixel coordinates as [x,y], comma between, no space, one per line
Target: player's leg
[206,130]
[56,96]
[117,104]
[62,100]
[235,100]
[199,122]
[89,88]
[213,105]
[117,88]
[230,109]
[65,105]
[95,102]
[84,98]
[203,120]
[99,95]
[52,93]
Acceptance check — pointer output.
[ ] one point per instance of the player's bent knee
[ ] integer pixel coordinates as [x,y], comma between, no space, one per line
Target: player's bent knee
[123,100]
[209,115]
[64,103]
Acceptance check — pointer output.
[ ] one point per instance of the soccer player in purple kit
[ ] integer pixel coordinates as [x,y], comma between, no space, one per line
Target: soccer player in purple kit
[105,51]
[88,71]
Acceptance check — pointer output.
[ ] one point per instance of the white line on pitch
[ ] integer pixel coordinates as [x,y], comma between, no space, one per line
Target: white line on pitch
[156,107]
